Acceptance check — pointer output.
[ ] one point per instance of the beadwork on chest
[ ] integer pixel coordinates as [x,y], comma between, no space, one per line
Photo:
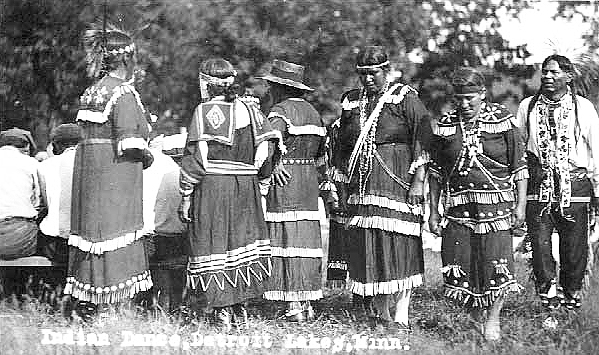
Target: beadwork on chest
[471,147]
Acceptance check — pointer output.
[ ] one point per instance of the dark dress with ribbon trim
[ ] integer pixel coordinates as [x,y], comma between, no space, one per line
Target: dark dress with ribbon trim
[383,136]
[230,249]
[292,211]
[477,164]
[337,262]
[107,260]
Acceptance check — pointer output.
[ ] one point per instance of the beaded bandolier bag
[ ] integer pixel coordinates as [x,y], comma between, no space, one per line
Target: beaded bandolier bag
[554,145]
[365,149]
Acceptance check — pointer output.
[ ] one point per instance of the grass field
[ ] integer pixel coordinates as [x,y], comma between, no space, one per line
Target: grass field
[438,328]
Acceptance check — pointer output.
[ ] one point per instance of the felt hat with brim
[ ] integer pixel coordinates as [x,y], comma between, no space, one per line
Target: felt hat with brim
[19,133]
[288,74]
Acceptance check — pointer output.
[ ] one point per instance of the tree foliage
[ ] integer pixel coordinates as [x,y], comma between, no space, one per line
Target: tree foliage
[42,70]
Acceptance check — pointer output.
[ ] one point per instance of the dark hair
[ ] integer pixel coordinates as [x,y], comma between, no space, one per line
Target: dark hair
[287,91]
[16,142]
[116,40]
[372,55]
[220,68]
[217,67]
[564,63]
[466,76]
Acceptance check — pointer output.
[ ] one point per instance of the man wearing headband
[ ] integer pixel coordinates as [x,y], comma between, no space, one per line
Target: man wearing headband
[107,259]
[477,159]
[562,134]
[292,211]
[228,143]
[380,161]
[19,194]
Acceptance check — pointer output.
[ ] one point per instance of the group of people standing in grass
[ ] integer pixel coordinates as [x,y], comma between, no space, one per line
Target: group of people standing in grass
[250,183]
[488,171]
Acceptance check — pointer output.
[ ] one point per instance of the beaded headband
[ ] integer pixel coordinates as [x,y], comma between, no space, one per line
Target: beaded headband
[467,89]
[373,66]
[212,80]
[127,49]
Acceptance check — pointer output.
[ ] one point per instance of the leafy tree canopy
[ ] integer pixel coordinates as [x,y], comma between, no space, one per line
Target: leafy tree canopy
[42,70]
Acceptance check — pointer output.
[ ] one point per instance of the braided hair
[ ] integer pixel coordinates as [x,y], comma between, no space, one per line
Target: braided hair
[220,68]
[566,65]
[106,50]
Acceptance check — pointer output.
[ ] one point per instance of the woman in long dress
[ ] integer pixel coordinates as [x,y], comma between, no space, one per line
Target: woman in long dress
[107,260]
[292,202]
[381,154]
[228,142]
[477,157]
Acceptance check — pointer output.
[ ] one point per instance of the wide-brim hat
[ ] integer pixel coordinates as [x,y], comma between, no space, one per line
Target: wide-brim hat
[288,74]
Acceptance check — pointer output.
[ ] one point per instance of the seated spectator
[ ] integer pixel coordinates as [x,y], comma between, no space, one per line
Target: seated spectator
[19,202]
[56,180]
[19,195]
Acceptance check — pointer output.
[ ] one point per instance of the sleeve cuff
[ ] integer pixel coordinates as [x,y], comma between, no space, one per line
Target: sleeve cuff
[521,174]
[339,176]
[423,159]
[186,183]
[131,143]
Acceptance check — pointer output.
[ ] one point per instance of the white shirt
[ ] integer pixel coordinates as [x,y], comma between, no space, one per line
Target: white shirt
[153,177]
[56,182]
[19,185]
[580,156]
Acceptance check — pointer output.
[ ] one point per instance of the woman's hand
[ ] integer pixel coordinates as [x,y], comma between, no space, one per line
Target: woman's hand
[147,158]
[519,215]
[416,193]
[281,175]
[185,210]
[434,223]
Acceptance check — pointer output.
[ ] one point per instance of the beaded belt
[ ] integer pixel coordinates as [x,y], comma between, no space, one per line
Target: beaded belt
[96,141]
[298,161]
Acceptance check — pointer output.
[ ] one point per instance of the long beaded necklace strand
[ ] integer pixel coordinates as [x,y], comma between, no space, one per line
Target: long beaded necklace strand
[367,154]
[471,146]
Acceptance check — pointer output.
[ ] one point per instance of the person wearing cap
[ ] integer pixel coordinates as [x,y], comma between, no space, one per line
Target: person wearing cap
[228,143]
[19,195]
[292,211]
[560,130]
[56,183]
[380,163]
[477,158]
[107,259]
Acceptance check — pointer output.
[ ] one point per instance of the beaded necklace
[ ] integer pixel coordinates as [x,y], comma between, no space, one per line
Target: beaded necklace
[471,146]
[367,153]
